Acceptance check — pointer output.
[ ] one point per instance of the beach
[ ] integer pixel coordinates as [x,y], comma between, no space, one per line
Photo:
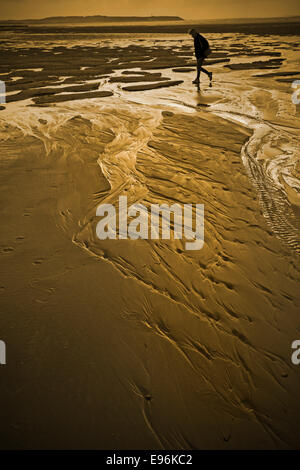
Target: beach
[142,344]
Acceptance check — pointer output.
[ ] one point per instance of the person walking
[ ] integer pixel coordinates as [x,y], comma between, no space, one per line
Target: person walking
[202,51]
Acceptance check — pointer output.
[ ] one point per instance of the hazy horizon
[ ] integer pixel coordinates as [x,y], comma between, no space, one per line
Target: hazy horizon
[186,9]
[225,18]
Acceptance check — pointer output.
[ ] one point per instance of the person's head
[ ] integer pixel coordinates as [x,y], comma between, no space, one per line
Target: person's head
[193,32]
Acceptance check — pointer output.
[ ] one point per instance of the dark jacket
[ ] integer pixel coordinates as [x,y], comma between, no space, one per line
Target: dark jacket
[201,44]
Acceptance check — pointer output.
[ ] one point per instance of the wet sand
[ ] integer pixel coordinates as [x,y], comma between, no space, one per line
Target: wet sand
[153,86]
[55,71]
[123,344]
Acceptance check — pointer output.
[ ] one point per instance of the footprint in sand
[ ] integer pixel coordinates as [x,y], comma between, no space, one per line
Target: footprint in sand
[38,261]
[48,292]
[7,249]
[27,212]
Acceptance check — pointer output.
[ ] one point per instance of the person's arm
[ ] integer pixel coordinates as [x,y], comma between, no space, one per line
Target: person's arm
[198,47]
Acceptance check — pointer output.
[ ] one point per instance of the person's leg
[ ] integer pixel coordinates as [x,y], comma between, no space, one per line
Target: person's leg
[199,64]
[202,69]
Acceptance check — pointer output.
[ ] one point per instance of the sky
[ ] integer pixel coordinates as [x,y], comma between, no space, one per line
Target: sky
[187,9]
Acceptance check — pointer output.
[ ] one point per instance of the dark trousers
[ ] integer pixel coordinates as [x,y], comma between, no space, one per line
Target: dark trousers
[200,61]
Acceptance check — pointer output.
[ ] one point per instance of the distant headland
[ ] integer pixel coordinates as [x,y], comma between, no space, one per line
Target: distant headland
[95,19]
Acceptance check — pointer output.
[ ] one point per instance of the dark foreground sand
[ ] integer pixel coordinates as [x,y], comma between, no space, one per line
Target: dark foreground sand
[141,344]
